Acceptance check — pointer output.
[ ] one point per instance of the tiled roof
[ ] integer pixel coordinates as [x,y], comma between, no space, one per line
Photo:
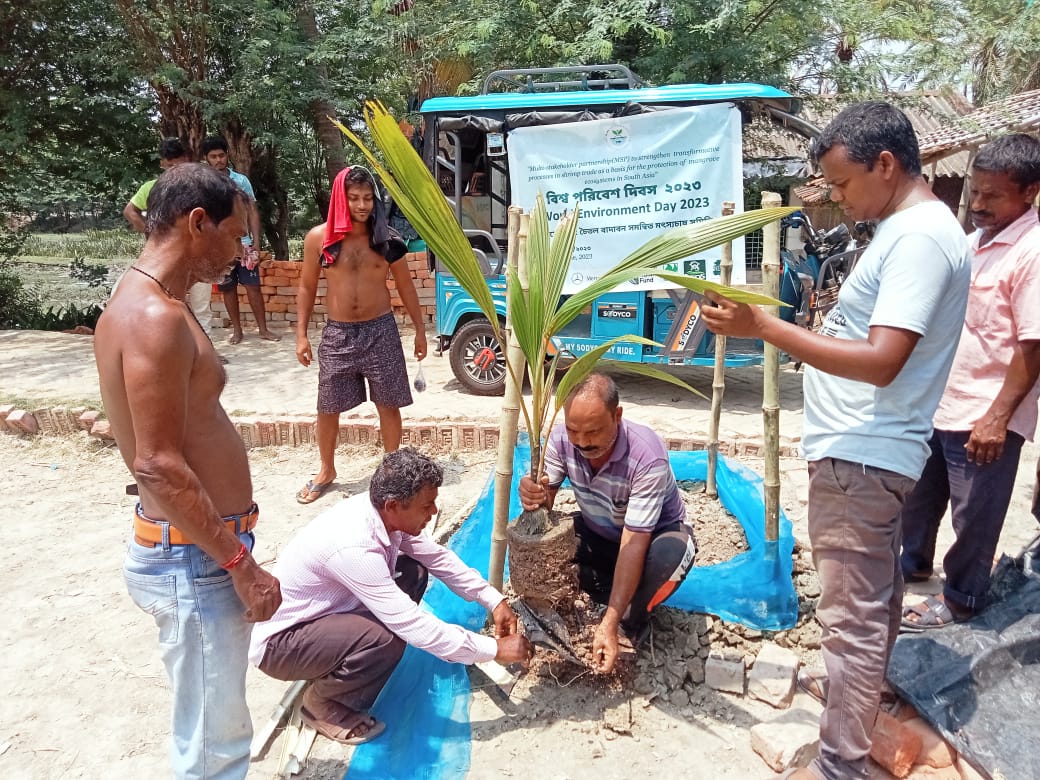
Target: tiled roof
[1016,114]
[948,145]
[928,111]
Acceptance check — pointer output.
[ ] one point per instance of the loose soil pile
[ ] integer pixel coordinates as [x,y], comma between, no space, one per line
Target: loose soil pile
[670,663]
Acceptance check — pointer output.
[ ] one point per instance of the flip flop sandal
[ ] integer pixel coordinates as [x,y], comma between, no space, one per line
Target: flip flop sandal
[341,733]
[311,492]
[815,685]
[918,576]
[931,613]
[812,684]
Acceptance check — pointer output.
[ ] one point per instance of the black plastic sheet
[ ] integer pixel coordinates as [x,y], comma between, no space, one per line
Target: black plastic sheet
[978,682]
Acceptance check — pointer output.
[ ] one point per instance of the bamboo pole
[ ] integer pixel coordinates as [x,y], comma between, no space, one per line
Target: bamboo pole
[771,379]
[718,384]
[510,415]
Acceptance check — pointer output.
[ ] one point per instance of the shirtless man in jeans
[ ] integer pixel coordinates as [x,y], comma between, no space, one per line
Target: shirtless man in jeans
[188,563]
[360,340]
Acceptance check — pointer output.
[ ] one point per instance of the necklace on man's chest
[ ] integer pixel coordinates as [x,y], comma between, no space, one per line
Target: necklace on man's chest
[171,296]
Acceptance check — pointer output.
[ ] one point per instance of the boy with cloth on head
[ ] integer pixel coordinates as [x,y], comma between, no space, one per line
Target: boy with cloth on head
[360,341]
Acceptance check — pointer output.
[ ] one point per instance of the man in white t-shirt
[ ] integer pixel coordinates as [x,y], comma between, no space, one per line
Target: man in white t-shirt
[875,374]
[988,409]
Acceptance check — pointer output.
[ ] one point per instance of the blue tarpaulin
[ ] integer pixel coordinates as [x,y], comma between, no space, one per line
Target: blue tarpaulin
[426,701]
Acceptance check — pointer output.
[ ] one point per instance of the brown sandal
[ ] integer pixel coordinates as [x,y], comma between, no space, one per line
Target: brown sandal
[816,686]
[345,733]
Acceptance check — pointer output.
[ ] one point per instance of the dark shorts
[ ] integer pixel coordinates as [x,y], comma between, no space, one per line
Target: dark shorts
[350,353]
[240,275]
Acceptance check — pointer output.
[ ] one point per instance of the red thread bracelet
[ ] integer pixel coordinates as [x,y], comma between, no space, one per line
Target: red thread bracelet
[237,559]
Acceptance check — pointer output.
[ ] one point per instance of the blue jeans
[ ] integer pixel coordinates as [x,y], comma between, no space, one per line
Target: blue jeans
[978,497]
[204,639]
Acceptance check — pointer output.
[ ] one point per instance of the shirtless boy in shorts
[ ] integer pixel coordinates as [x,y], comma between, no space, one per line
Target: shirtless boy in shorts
[360,340]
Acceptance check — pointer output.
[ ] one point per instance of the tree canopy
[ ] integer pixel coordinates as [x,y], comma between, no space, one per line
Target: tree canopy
[88,87]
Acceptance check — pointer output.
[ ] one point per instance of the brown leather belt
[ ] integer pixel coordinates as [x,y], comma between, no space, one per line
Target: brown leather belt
[149,533]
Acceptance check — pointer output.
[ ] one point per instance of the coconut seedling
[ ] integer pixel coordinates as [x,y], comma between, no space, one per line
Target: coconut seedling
[535,310]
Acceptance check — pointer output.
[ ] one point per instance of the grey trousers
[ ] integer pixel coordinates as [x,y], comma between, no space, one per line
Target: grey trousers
[855,535]
[348,656]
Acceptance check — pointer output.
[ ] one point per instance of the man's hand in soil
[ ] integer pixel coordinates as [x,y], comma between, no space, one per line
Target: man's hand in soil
[532,494]
[604,648]
[514,649]
[259,590]
[504,619]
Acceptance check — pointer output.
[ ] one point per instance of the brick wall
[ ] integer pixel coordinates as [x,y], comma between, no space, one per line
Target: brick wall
[280,280]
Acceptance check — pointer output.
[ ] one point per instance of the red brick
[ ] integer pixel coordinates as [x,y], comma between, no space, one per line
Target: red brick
[935,751]
[246,427]
[266,433]
[751,448]
[893,745]
[303,431]
[102,429]
[21,421]
[284,435]
[925,772]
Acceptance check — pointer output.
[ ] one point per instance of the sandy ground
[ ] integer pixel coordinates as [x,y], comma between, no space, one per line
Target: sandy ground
[264,378]
[84,692]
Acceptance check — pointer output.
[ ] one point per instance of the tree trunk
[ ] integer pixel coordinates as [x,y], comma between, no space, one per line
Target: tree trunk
[273,202]
[180,118]
[508,422]
[329,137]
[259,164]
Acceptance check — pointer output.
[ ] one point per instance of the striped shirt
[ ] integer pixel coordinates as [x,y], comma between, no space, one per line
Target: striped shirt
[634,489]
[344,561]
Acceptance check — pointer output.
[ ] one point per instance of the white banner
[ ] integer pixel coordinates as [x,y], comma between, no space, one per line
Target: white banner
[633,178]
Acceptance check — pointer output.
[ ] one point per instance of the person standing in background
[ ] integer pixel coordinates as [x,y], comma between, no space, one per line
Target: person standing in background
[171,152]
[246,270]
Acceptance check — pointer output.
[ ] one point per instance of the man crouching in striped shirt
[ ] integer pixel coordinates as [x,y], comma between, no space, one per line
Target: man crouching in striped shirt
[634,544]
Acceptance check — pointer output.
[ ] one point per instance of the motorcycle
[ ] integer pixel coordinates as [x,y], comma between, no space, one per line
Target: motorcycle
[813,276]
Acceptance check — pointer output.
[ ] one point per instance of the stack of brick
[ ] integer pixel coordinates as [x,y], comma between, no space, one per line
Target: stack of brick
[280,280]
[280,431]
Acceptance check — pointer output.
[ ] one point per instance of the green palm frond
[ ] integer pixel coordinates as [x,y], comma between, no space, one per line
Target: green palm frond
[643,369]
[560,260]
[701,286]
[536,314]
[414,190]
[587,363]
[669,248]
[593,361]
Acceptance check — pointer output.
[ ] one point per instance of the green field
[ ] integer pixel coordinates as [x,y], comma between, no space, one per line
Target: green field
[44,264]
